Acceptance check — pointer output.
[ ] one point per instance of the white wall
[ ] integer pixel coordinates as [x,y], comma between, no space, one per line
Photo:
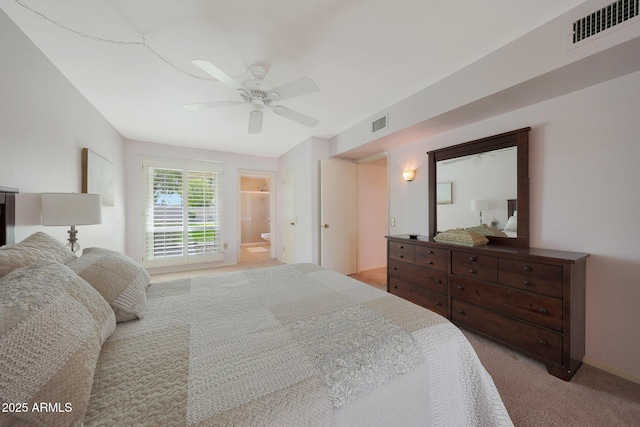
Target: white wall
[584,181]
[305,159]
[44,124]
[135,151]
[372,215]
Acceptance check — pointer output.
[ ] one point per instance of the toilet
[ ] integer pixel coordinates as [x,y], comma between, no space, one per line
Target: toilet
[266,236]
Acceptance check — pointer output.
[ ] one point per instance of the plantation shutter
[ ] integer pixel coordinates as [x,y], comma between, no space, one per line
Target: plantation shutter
[182,212]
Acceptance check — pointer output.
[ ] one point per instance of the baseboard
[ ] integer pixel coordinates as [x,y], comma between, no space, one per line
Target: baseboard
[372,268]
[610,369]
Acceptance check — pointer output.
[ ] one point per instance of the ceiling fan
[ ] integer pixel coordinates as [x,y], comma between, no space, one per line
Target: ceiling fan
[259,94]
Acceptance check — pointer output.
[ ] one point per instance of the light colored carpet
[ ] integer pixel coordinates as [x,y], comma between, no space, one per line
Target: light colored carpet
[534,398]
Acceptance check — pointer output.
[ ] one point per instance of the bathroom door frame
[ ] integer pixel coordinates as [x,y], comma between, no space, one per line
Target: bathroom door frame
[272,201]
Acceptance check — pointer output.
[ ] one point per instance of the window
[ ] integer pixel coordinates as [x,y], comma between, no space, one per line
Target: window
[182,212]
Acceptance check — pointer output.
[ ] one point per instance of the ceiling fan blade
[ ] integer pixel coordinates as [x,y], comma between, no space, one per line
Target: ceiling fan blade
[255,121]
[295,116]
[217,73]
[301,86]
[215,104]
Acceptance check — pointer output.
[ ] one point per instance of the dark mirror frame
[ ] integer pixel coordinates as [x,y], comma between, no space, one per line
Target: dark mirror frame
[517,138]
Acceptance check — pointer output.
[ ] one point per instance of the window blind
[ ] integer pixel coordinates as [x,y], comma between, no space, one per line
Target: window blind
[182,212]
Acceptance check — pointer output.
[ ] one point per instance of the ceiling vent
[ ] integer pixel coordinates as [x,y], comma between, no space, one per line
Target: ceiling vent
[381,123]
[608,17]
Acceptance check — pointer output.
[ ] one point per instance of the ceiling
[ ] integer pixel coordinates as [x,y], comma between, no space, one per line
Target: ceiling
[365,55]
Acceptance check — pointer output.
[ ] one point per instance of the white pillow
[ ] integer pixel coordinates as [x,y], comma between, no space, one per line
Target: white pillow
[37,247]
[512,224]
[119,279]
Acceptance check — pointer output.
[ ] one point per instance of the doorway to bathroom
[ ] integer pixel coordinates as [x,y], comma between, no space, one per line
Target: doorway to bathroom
[256,211]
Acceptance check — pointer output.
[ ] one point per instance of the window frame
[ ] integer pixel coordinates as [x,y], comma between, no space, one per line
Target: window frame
[186,166]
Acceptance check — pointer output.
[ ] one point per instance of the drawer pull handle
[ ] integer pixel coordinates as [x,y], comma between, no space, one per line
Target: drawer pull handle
[472,258]
[400,247]
[395,286]
[429,252]
[527,283]
[401,256]
[461,311]
[395,268]
[461,287]
[438,303]
[527,268]
[543,311]
[429,262]
[543,342]
[438,281]
[472,271]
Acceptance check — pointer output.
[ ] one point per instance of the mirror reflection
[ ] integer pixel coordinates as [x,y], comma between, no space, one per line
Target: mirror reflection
[479,190]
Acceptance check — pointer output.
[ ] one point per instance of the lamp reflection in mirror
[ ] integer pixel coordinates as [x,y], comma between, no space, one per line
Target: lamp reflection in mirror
[408,174]
[71,209]
[480,205]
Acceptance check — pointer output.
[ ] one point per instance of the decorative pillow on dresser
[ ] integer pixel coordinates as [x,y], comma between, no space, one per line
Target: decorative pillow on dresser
[119,279]
[52,327]
[37,247]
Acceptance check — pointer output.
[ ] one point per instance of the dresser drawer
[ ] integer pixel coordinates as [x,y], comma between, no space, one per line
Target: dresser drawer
[432,300]
[432,258]
[541,310]
[481,267]
[427,278]
[538,341]
[402,251]
[541,278]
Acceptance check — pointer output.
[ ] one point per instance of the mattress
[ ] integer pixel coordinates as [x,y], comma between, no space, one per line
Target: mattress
[288,345]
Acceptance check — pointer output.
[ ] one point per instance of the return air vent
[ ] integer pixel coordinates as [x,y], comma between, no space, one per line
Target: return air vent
[381,123]
[605,18]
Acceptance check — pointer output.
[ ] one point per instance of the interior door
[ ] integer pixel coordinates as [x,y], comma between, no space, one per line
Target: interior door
[289,216]
[338,216]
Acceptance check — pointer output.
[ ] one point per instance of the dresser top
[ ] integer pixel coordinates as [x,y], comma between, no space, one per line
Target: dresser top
[496,250]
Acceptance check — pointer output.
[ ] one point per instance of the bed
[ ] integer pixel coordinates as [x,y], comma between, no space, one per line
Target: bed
[285,345]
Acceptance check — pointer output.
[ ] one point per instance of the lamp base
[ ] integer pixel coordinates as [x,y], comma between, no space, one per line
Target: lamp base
[73,244]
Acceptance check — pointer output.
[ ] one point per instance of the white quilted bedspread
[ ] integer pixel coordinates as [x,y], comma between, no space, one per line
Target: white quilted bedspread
[291,345]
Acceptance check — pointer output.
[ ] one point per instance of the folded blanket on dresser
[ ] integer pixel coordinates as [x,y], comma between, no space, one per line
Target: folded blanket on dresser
[288,345]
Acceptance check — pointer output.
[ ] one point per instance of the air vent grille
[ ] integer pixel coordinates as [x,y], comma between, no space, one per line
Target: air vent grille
[381,123]
[605,18]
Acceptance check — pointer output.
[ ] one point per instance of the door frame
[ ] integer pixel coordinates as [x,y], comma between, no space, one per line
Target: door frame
[272,201]
[371,159]
[367,159]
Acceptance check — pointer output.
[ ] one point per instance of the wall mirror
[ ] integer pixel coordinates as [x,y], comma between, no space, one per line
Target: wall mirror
[486,180]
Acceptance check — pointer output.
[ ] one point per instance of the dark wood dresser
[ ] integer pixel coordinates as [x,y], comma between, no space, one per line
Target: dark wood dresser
[530,300]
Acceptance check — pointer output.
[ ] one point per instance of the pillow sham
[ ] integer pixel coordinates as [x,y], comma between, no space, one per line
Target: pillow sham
[119,279]
[37,247]
[52,327]
[512,224]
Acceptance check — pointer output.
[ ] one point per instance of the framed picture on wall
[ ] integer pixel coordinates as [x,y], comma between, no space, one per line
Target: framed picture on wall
[97,176]
[443,193]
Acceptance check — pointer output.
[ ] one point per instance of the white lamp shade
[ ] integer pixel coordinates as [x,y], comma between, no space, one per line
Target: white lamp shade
[480,205]
[71,209]
[408,175]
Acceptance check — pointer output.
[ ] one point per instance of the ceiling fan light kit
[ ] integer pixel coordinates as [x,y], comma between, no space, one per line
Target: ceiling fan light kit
[259,94]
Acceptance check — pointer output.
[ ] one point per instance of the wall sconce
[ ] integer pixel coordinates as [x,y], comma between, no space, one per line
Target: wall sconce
[479,206]
[71,209]
[408,175]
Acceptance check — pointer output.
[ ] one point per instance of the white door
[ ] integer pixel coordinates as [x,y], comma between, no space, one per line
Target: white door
[338,216]
[289,216]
